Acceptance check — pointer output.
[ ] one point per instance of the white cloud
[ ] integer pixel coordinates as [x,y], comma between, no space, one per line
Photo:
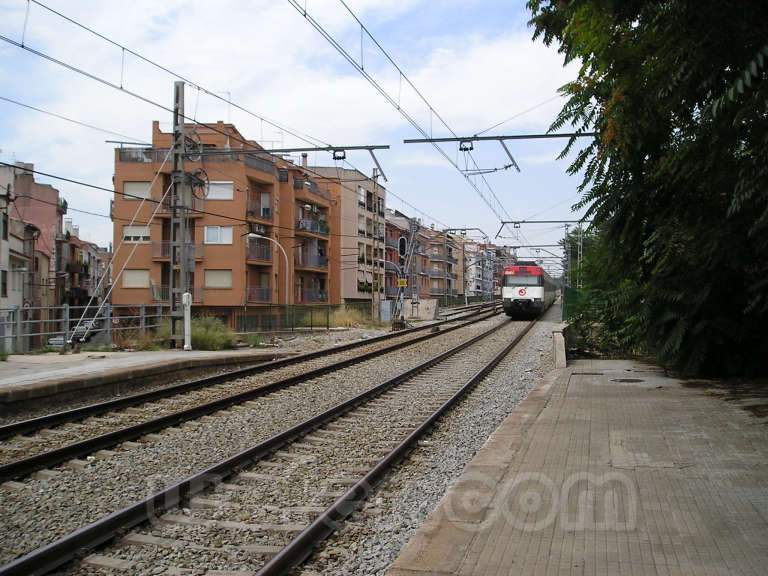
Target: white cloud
[272,62]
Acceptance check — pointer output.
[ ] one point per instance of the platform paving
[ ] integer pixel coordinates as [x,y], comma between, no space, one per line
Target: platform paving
[607,467]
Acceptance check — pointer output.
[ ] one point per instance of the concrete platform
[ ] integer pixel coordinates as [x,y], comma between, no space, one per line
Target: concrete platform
[608,467]
[29,377]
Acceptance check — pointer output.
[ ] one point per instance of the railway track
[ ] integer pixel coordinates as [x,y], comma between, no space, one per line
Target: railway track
[75,433]
[266,507]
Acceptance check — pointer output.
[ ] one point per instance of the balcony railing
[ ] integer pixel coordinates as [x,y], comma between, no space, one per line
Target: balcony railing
[392,242]
[313,260]
[311,296]
[143,154]
[162,249]
[196,204]
[259,294]
[161,292]
[310,187]
[259,250]
[311,225]
[257,210]
[443,258]
[258,163]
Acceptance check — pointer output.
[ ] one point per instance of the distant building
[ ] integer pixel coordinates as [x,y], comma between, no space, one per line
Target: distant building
[361,203]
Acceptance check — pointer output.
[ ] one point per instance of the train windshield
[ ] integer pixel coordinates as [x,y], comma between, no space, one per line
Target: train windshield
[515,280]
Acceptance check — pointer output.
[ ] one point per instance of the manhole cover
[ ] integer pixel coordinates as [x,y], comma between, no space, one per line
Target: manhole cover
[628,380]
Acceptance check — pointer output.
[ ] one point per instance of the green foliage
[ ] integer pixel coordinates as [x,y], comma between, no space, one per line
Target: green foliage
[210,333]
[676,179]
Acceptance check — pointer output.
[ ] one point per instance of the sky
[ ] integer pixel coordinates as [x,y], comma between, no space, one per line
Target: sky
[473,63]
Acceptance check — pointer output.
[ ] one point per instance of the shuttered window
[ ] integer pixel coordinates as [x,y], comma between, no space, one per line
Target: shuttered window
[133,189]
[135,278]
[220,191]
[136,233]
[218,278]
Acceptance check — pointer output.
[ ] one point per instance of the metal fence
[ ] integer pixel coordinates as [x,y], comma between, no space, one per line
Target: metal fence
[29,329]
[32,328]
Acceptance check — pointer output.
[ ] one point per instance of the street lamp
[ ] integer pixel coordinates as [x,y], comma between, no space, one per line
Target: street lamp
[276,243]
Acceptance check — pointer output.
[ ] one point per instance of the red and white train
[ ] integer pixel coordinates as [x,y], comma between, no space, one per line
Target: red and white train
[526,290]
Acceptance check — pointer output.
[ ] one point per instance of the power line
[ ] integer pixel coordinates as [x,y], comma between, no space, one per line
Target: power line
[361,70]
[157,104]
[243,221]
[292,132]
[73,121]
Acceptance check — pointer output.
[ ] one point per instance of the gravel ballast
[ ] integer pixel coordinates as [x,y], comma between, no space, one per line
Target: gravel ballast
[374,537]
[38,512]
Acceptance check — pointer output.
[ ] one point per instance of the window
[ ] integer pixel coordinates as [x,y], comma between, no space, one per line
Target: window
[218,278]
[5,226]
[136,190]
[218,234]
[135,278]
[360,196]
[220,191]
[136,233]
[4,284]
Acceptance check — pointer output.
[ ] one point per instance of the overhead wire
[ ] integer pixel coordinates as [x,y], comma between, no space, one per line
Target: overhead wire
[304,138]
[331,40]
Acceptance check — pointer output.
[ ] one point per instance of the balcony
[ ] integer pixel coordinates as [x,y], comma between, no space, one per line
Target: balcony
[259,251]
[442,292]
[311,296]
[311,187]
[442,258]
[257,210]
[392,291]
[310,260]
[259,294]
[312,225]
[143,154]
[162,250]
[258,163]
[161,292]
[194,208]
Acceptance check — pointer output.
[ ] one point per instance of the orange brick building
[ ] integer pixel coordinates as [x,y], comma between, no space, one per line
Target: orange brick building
[248,192]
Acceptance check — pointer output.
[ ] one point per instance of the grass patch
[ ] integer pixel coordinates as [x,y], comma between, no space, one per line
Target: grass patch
[347,318]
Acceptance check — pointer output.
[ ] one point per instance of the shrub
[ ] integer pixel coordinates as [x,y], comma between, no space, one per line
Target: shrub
[209,333]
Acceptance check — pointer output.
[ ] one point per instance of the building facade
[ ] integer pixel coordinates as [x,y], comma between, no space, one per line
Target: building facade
[260,232]
[361,203]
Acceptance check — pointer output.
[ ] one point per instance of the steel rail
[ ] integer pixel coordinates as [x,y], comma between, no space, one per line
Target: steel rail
[302,546]
[75,414]
[78,543]
[24,467]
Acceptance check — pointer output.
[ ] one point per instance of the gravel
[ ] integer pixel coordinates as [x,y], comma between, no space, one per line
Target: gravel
[374,537]
[41,511]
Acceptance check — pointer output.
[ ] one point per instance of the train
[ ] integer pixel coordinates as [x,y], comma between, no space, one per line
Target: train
[526,290]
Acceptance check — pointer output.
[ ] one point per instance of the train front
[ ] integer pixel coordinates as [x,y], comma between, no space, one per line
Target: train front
[523,290]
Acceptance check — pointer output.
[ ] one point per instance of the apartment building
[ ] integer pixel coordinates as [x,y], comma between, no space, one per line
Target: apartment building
[41,206]
[260,232]
[443,265]
[87,273]
[361,204]
[415,266]
[479,271]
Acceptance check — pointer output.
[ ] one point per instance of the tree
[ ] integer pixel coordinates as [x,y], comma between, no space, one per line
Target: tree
[676,178]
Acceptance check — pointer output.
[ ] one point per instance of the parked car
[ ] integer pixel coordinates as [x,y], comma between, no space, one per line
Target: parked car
[85,330]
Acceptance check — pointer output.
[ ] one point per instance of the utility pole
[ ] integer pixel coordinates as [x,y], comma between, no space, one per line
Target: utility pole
[177,277]
[182,260]
[375,283]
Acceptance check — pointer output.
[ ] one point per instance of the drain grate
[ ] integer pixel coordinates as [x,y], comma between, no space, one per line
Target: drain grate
[628,380]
